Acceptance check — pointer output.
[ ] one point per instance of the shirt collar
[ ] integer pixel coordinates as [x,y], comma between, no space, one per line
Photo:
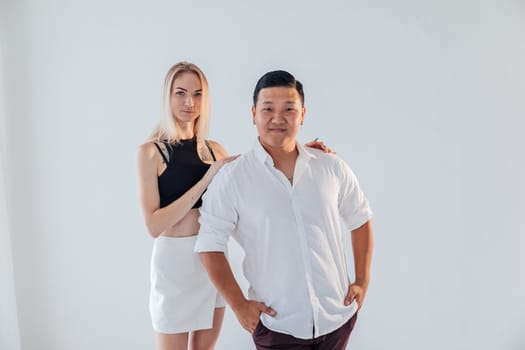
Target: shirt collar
[264,157]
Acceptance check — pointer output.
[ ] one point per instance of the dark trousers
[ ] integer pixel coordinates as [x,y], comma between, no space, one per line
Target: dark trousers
[266,339]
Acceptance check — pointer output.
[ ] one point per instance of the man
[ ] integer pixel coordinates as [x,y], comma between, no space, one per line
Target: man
[283,204]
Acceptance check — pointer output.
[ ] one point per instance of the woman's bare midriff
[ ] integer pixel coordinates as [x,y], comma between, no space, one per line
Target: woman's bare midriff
[188,226]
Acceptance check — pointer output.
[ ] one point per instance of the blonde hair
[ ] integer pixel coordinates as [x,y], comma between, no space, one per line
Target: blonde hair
[166,128]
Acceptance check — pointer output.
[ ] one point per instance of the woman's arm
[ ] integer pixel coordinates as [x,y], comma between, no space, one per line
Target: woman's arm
[159,219]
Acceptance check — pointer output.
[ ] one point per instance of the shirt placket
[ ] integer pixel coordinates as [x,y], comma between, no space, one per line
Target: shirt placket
[301,167]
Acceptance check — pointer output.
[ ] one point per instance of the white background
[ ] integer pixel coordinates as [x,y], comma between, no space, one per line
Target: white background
[424,99]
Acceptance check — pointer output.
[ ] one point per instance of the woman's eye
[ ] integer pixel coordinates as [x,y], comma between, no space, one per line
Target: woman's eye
[179,93]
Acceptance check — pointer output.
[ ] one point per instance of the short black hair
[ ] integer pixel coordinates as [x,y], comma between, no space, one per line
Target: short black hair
[278,78]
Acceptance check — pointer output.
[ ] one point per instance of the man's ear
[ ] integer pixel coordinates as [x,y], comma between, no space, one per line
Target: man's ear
[253,115]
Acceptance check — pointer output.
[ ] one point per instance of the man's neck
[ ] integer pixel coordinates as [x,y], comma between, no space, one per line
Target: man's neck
[282,154]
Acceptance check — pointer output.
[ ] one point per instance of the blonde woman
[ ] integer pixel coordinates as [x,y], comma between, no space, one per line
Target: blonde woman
[175,166]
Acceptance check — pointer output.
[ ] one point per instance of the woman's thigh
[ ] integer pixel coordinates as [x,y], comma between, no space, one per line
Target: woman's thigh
[206,339]
[177,341]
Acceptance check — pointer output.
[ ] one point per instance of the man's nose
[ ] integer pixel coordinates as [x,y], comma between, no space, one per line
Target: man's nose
[277,117]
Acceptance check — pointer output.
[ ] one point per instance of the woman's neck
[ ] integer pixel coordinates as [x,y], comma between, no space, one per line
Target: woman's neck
[186,131]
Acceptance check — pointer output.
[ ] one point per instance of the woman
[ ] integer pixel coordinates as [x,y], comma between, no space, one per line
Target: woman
[175,166]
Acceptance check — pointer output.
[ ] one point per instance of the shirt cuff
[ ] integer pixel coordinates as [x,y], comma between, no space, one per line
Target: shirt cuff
[360,219]
[209,242]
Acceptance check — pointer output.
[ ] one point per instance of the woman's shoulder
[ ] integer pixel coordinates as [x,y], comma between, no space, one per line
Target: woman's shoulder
[147,148]
[150,149]
[213,143]
[217,148]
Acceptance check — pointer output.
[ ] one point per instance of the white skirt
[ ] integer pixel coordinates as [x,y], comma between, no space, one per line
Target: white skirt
[182,297]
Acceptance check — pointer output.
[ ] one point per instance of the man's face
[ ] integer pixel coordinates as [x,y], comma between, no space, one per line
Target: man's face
[278,116]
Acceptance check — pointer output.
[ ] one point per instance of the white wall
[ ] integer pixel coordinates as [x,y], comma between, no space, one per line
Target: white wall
[425,100]
[9,332]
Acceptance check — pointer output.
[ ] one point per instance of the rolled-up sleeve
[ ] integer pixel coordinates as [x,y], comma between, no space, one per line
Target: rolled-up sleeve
[353,205]
[218,215]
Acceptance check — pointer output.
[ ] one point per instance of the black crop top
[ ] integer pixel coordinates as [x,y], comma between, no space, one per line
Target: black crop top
[184,169]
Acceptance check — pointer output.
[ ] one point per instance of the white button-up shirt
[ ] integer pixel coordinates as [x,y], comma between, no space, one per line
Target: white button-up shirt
[291,234]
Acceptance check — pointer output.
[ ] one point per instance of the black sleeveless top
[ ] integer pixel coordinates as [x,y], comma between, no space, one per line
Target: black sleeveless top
[184,169]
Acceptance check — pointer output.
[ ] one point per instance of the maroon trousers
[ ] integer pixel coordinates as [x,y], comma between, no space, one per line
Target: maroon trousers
[266,339]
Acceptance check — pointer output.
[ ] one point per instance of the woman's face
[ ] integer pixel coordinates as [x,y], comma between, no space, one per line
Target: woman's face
[185,98]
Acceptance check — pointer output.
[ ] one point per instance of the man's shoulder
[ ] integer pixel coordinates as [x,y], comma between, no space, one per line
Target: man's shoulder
[335,163]
[325,159]
[235,168]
